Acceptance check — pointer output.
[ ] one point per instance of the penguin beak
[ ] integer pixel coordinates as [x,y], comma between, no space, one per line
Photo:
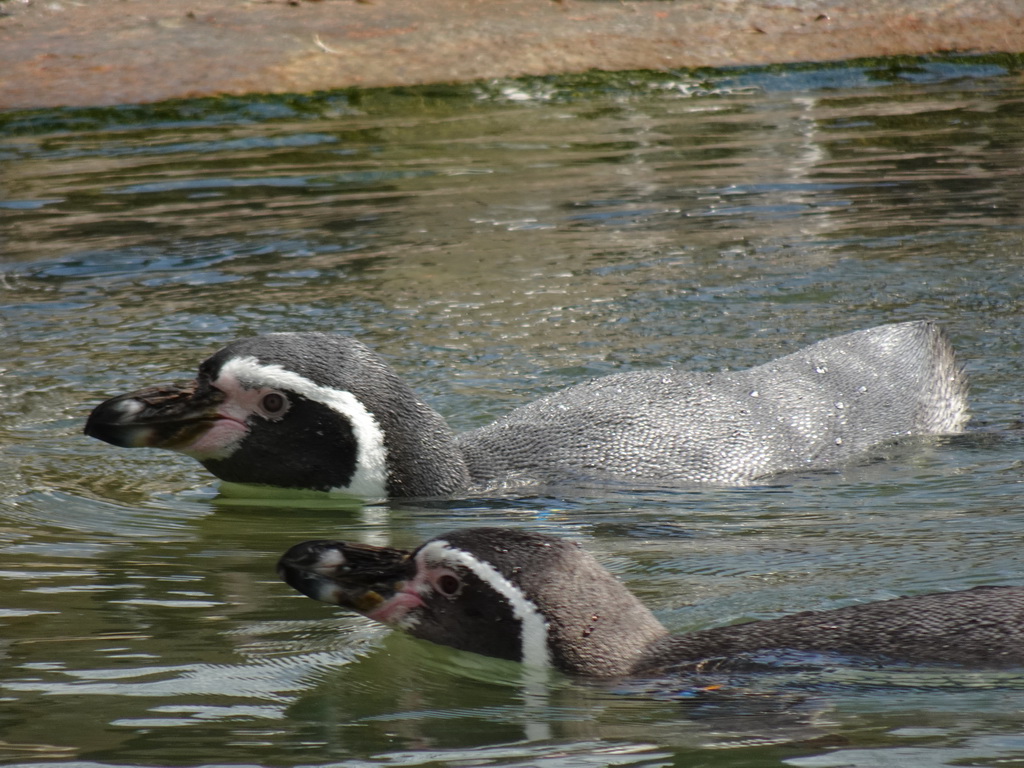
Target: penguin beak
[169,416]
[360,577]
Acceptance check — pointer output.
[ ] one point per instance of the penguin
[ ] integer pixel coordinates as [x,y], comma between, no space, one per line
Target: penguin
[547,602]
[322,412]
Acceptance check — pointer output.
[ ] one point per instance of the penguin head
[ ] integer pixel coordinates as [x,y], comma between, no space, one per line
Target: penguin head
[503,593]
[304,411]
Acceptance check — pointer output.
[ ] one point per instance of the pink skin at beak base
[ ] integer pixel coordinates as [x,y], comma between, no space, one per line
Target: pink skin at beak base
[397,607]
[222,436]
[232,420]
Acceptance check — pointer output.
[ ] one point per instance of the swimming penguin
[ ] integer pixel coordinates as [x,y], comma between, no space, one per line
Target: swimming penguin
[546,601]
[322,412]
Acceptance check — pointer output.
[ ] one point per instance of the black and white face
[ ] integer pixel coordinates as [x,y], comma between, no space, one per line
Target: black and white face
[500,592]
[442,592]
[456,598]
[250,419]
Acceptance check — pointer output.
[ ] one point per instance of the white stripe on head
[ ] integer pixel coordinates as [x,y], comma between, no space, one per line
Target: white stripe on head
[533,638]
[370,479]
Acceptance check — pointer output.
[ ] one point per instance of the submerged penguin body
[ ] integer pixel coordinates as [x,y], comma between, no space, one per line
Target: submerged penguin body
[322,412]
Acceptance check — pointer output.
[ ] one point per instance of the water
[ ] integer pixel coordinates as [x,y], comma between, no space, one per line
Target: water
[497,242]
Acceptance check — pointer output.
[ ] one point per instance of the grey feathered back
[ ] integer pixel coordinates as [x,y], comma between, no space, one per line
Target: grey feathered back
[983,626]
[811,410]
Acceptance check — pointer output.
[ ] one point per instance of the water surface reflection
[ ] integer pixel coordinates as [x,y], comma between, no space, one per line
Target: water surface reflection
[496,243]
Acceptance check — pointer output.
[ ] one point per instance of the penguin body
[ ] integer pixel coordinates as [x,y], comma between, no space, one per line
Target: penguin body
[545,601]
[812,410]
[322,412]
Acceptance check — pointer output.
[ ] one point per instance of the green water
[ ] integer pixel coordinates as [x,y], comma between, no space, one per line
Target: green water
[496,242]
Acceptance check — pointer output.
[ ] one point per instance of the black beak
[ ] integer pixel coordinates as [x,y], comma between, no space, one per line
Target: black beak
[356,576]
[166,416]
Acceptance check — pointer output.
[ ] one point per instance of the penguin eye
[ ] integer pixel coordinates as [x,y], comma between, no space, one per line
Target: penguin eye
[273,403]
[448,584]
